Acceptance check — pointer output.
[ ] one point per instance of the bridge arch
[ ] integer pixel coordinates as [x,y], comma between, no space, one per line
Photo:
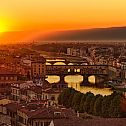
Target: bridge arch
[59,63]
[70,64]
[73,78]
[79,78]
[48,63]
[84,63]
[53,79]
[91,79]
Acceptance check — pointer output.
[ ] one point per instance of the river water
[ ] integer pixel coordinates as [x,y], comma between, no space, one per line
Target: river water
[75,80]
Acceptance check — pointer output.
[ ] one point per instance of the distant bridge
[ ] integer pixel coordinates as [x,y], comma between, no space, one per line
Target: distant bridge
[84,70]
[66,62]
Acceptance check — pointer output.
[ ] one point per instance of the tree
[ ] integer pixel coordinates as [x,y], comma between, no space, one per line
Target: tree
[81,108]
[98,106]
[87,102]
[76,101]
[115,110]
[71,98]
[105,106]
[64,97]
[91,111]
[60,99]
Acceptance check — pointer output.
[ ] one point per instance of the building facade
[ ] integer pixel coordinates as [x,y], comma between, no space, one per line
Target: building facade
[38,68]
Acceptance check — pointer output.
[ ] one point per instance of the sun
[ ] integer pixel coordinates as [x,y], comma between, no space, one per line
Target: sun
[3,27]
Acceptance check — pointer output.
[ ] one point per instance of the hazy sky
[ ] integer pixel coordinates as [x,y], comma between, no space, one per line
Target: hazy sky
[61,14]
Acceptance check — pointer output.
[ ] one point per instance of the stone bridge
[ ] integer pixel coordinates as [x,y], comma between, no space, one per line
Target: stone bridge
[84,70]
[66,62]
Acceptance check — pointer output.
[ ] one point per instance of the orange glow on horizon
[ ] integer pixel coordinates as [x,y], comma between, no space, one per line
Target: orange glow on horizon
[51,15]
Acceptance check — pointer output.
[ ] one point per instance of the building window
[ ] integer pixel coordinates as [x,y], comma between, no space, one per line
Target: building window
[49,103]
[45,97]
[25,121]
[78,70]
[46,123]
[6,78]
[53,98]
[37,123]
[20,119]
[42,69]
[39,70]
[11,78]
[2,78]
[68,70]
[41,123]
[15,78]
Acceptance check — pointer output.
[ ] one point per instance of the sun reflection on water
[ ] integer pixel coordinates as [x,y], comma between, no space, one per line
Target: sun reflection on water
[74,82]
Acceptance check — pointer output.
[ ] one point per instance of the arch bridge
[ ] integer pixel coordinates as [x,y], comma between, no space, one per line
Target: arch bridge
[66,62]
[84,70]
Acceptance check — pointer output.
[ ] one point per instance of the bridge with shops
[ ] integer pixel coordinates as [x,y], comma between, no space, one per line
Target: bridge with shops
[99,71]
[67,61]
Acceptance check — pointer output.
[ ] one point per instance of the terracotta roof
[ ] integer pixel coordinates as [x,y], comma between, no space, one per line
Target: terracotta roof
[18,82]
[49,113]
[90,122]
[35,113]
[36,89]
[44,112]
[46,85]
[51,91]
[39,59]
[2,97]
[12,107]
[38,102]
[7,71]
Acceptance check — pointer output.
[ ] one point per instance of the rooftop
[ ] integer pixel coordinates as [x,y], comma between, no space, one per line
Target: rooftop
[5,71]
[51,91]
[39,59]
[34,112]
[12,107]
[90,122]
[2,97]
[36,89]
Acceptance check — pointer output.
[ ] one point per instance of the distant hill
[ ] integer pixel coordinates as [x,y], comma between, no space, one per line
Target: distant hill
[113,33]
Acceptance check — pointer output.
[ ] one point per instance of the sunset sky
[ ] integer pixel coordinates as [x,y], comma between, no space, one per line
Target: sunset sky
[43,15]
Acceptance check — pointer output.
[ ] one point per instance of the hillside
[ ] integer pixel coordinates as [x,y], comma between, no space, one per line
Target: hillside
[114,33]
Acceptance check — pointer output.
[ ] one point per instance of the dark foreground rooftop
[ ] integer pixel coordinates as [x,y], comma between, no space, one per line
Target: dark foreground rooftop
[90,122]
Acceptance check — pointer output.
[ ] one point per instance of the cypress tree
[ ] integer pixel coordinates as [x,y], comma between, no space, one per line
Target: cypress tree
[98,106]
